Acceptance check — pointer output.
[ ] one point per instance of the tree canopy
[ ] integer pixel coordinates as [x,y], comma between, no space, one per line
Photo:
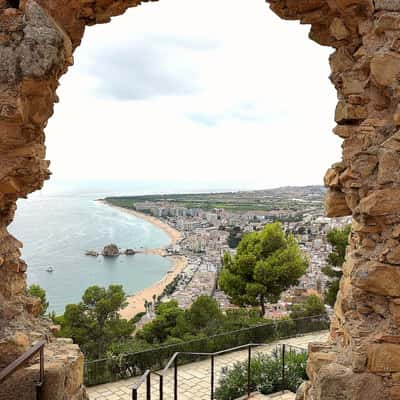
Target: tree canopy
[312,306]
[339,239]
[266,263]
[94,323]
[204,318]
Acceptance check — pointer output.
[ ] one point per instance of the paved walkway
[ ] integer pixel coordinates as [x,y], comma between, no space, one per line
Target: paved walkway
[277,396]
[193,379]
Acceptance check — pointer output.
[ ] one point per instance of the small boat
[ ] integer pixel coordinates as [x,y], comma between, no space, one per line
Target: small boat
[50,269]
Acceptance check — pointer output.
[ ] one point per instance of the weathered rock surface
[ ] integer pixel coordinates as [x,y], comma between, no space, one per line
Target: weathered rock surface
[92,253]
[37,41]
[111,250]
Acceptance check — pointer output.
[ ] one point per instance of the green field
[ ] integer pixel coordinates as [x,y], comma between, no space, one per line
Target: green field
[287,200]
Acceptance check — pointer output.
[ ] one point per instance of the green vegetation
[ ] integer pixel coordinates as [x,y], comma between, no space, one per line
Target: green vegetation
[37,291]
[94,323]
[174,325]
[312,306]
[134,357]
[266,375]
[339,239]
[282,199]
[267,263]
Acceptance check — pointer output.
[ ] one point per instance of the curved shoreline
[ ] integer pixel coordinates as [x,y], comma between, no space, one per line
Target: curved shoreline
[174,235]
[136,301]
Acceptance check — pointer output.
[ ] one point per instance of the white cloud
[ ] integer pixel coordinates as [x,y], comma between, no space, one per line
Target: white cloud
[190,90]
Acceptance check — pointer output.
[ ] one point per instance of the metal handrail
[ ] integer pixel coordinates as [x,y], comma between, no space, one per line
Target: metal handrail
[236,331]
[18,363]
[215,353]
[174,360]
[145,377]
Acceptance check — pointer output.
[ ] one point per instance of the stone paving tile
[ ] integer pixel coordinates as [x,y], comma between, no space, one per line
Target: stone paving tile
[194,378]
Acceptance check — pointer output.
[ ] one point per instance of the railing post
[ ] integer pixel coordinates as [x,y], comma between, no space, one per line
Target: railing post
[161,387]
[148,387]
[249,372]
[212,377]
[42,365]
[39,385]
[134,394]
[283,367]
[176,378]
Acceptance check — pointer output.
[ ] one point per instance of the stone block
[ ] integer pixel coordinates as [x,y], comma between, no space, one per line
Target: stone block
[353,83]
[348,112]
[353,146]
[74,374]
[378,278]
[381,202]
[341,60]
[34,306]
[331,178]
[389,166]
[336,382]
[344,131]
[385,68]
[384,357]
[54,387]
[393,257]
[335,204]
[387,21]
[338,29]
[388,5]
[393,143]
[317,360]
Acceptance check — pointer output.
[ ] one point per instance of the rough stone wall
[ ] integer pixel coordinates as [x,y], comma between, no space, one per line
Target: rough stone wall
[362,358]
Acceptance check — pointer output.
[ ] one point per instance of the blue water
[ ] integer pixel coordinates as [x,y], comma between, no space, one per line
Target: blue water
[57,229]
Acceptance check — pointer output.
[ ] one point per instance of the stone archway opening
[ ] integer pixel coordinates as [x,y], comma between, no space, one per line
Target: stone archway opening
[362,358]
[145,109]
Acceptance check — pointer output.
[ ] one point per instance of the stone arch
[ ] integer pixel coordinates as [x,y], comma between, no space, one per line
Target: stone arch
[362,358]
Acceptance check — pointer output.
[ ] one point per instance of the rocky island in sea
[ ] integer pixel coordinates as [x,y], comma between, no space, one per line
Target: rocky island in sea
[59,229]
[111,250]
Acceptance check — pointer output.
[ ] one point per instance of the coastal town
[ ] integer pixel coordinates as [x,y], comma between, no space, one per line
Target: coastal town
[201,235]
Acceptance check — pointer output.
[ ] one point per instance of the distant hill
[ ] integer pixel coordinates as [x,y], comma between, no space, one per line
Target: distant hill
[289,199]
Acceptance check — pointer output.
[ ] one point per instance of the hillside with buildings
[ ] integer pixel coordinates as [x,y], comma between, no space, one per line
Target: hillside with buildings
[213,223]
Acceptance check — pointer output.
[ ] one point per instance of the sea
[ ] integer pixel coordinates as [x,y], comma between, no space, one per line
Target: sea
[60,223]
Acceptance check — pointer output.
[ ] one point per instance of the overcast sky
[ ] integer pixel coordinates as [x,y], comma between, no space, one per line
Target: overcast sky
[196,90]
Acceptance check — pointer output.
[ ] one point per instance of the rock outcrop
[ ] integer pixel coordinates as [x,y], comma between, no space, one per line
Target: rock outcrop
[92,253]
[111,250]
[361,360]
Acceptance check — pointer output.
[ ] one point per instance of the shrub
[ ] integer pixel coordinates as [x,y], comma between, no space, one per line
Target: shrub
[266,375]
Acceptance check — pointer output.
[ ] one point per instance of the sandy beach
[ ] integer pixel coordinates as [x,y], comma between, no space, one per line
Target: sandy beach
[136,301]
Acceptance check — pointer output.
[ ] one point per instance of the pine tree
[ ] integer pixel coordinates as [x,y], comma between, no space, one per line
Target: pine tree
[339,239]
[266,263]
